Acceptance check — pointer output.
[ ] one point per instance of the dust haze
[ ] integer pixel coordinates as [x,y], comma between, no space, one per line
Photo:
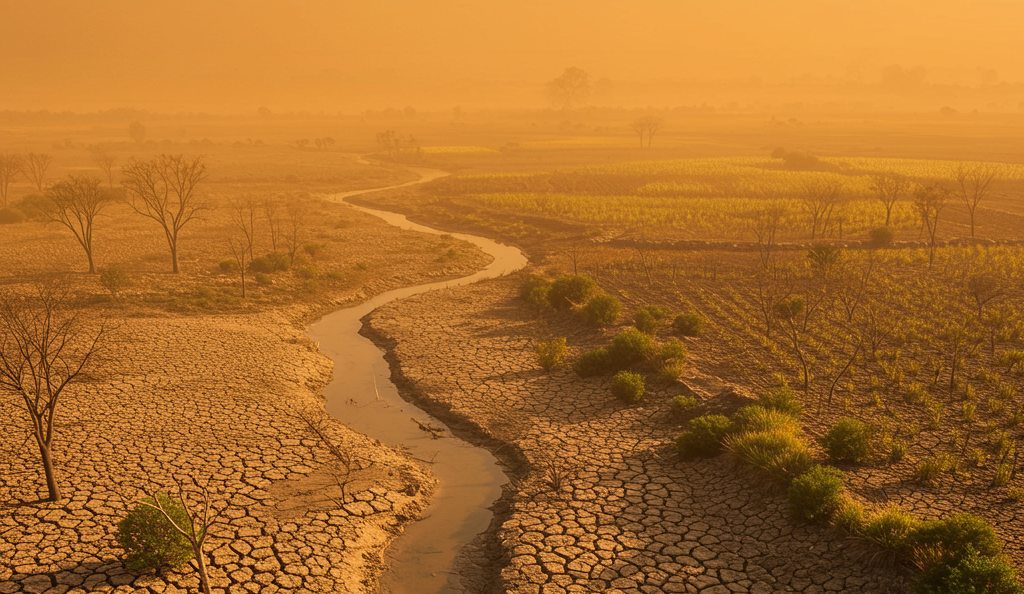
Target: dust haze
[234,56]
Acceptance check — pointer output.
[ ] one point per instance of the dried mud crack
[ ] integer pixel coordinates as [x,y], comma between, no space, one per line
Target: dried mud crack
[626,515]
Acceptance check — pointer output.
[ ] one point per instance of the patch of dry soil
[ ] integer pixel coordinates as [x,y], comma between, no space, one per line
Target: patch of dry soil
[606,505]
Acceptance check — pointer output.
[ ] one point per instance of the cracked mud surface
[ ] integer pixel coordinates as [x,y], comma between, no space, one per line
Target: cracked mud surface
[630,516]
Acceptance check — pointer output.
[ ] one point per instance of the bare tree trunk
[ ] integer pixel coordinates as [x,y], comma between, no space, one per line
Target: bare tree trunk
[51,475]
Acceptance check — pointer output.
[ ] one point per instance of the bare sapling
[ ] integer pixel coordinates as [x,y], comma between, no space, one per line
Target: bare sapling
[45,346]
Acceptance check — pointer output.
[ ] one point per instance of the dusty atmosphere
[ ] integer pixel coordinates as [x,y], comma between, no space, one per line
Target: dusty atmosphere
[560,297]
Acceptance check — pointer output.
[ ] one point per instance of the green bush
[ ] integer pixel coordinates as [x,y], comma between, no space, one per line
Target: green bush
[278,261]
[11,216]
[628,386]
[880,237]
[703,436]
[313,249]
[114,279]
[945,541]
[756,418]
[630,347]
[550,353]
[36,207]
[973,573]
[592,363]
[849,440]
[891,529]
[571,289]
[670,358]
[817,494]
[647,318]
[601,310]
[779,455]
[534,291]
[308,272]
[228,266]
[781,398]
[261,264]
[149,540]
[263,279]
[849,516]
[689,324]
[682,404]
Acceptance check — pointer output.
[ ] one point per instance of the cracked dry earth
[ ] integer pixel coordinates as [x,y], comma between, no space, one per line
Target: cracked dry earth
[633,518]
[211,397]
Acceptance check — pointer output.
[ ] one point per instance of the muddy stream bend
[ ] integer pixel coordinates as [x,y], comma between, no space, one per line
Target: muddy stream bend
[362,396]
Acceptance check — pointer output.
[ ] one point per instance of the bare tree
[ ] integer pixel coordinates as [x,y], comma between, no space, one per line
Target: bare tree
[569,89]
[44,347]
[788,311]
[929,202]
[272,212]
[820,197]
[889,187]
[639,126]
[985,287]
[577,252]
[972,185]
[105,161]
[137,131]
[34,166]
[77,201]
[10,165]
[296,218]
[198,528]
[765,226]
[243,218]
[653,124]
[163,189]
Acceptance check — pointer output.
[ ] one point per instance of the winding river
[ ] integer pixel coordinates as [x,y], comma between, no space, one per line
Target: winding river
[362,396]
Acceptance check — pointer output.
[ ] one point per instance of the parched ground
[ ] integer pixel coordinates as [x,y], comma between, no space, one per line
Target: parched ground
[606,505]
[197,382]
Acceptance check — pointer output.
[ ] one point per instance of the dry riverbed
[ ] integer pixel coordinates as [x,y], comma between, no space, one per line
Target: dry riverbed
[213,396]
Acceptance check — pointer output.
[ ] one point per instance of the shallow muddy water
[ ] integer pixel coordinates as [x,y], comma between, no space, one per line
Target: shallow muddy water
[362,396]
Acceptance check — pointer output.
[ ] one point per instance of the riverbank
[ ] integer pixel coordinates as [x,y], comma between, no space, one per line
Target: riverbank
[605,505]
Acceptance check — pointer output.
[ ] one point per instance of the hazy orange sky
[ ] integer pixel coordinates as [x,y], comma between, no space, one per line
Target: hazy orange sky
[235,55]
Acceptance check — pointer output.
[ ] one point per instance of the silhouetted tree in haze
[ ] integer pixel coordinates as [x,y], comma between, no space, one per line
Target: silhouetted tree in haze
[10,165]
[972,184]
[76,202]
[137,131]
[163,189]
[889,187]
[105,161]
[929,202]
[35,166]
[569,89]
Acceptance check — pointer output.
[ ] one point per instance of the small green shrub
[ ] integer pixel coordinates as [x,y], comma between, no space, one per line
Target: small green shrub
[148,538]
[930,468]
[781,398]
[261,264]
[335,275]
[849,440]
[601,310]
[550,353]
[779,455]
[628,386]
[362,266]
[11,216]
[227,266]
[263,279]
[313,249]
[568,290]
[647,318]
[972,574]
[629,347]
[849,516]
[703,436]
[817,494]
[670,359]
[756,418]
[534,291]
[592,363]
[278,261]
[891,529]
[880,237]
[689,324]
[308,272]
[683,404]
[114,279]
[945,541]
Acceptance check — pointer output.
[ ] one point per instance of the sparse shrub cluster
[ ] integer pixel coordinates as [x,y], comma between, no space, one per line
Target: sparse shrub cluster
[550,353]
[149,540]
[628,386]
[703,436]
[849,440]
[689,324]
[648,317]
[571,290]
[601,310]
